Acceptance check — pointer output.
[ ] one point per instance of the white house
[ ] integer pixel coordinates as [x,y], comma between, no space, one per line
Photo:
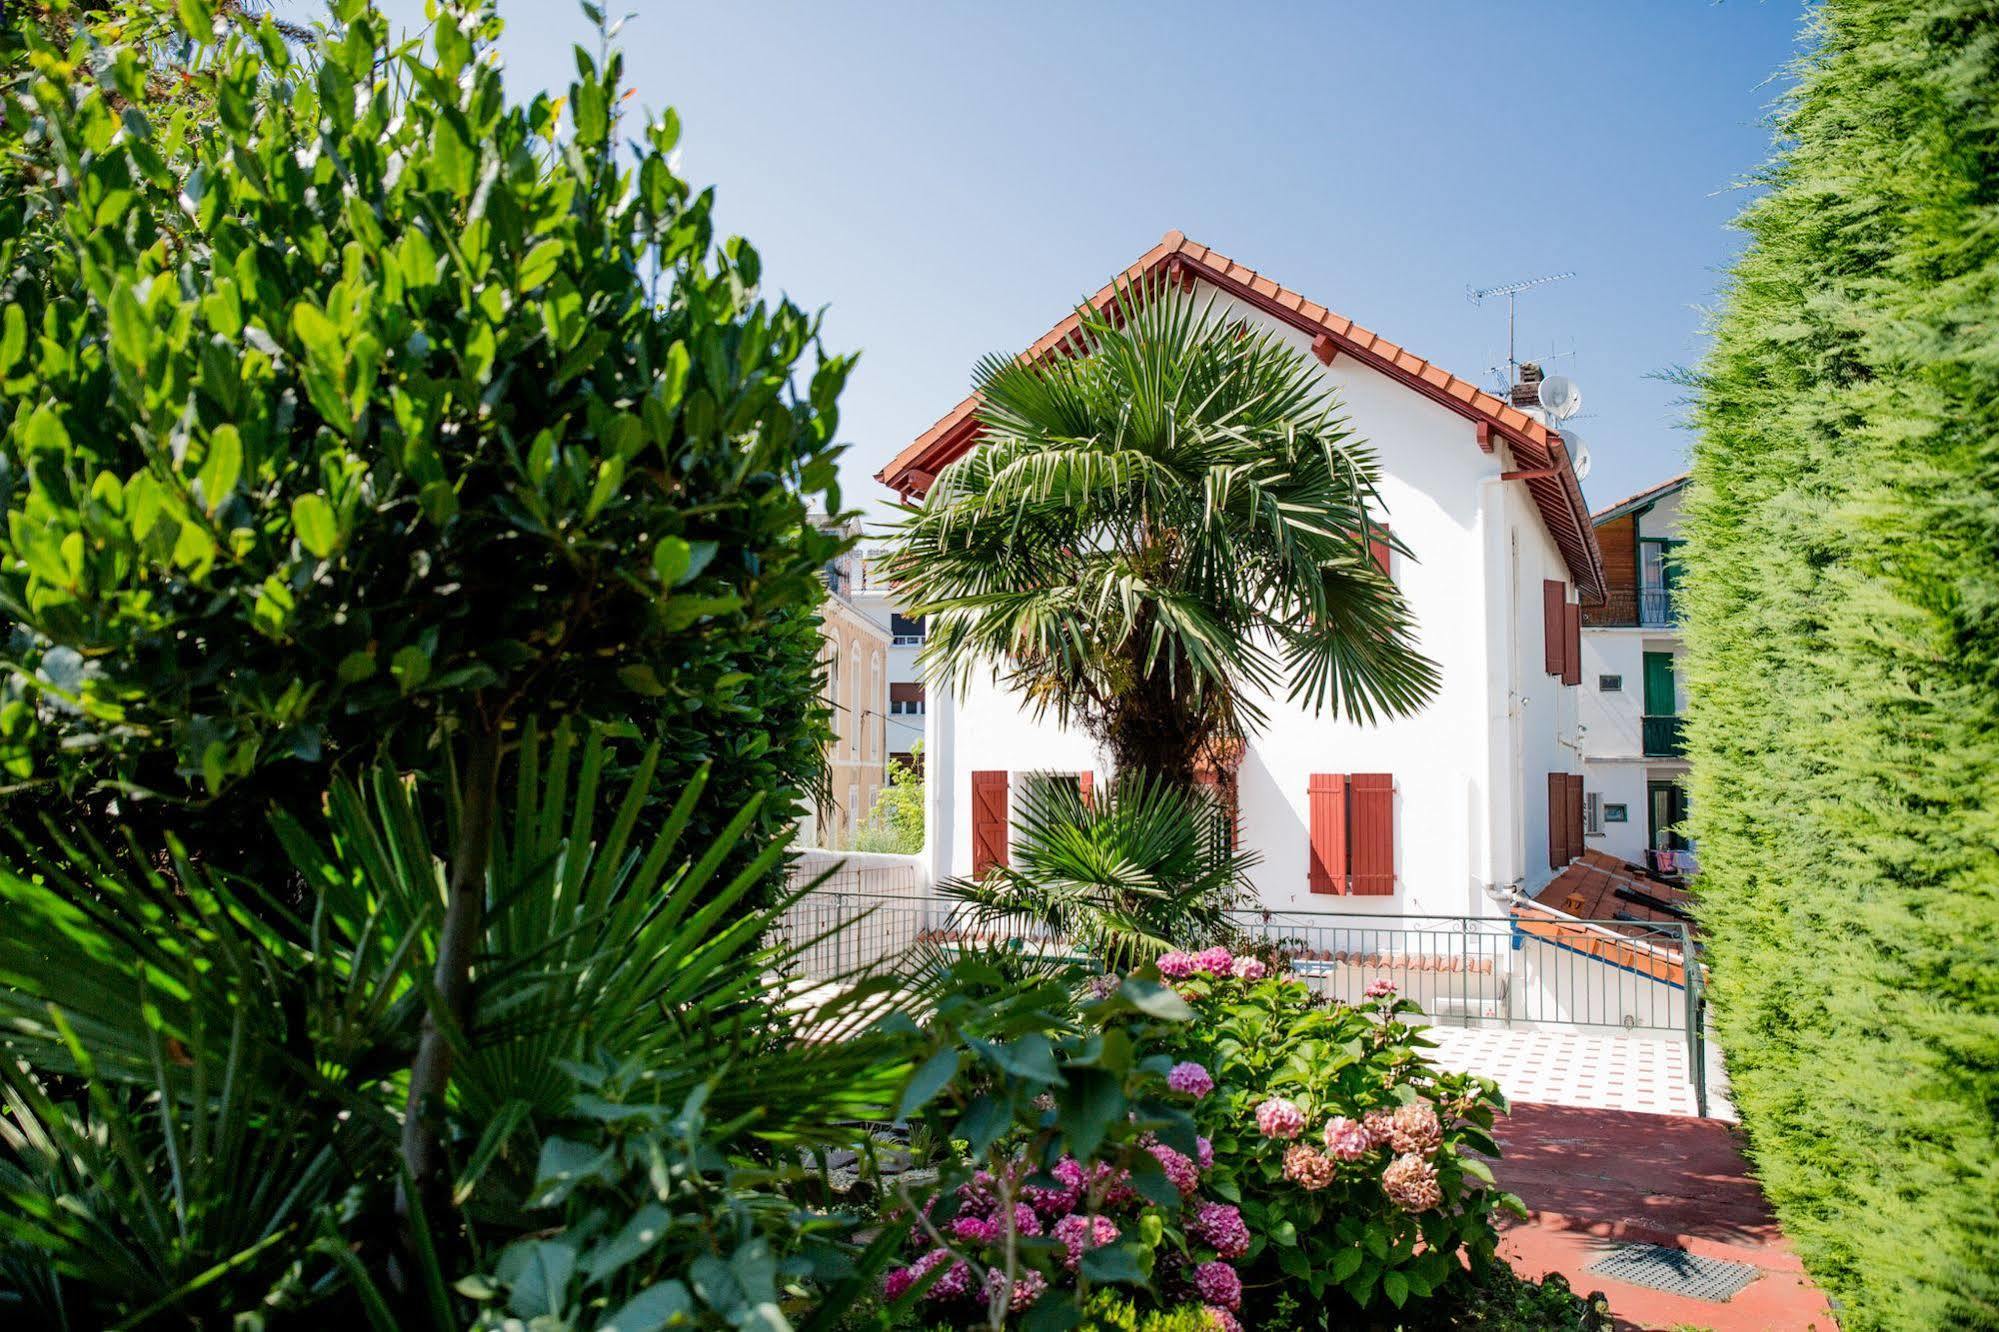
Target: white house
[1633,694]
[1439,813]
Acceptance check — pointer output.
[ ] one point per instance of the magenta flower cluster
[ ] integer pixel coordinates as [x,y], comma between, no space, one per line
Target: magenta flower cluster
[1279,1118]
[1217,962]
[1190,1079]
[1049,1206]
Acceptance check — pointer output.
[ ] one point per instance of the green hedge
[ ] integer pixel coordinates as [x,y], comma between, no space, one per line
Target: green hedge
[1843,594]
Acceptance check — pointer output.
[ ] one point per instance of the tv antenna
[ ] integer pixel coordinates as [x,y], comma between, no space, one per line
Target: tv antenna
[1477,296]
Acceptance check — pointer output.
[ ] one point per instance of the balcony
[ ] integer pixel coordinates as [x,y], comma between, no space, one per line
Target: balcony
[1657,608]
[1662,737]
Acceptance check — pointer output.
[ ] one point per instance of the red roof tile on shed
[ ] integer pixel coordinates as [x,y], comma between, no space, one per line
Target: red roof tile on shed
[1559,497]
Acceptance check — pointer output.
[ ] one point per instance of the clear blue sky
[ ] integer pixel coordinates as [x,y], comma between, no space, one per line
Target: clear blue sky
[949,178]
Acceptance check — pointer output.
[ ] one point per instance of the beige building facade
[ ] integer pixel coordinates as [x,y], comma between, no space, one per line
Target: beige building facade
[854,656]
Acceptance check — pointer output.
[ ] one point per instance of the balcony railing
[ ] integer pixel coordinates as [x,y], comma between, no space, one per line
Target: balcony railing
[1657,607]
[1662,737]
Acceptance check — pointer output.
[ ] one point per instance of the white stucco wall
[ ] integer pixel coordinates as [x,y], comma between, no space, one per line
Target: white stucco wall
[1470,770]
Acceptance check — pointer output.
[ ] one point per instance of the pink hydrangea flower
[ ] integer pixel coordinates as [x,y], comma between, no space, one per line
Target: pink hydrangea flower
[1221,1319]
[1180,1171]
[1190,1079]
[1027,1288]
[955,1283]
[1217,1284]
[1178,966]
[898,1281]
[1381,988]
[1414,1129]
[975,1229]
[977,1194]
[1279,1118]
[1348,1139]
[1380,1126]
[1221,1228]
[1079,1234]
[1306,1168]
[1204,1154]
[1061,1200]
[1025,1222]
[1217,961]
[1103,987]
[1250,969]
[1411,1184]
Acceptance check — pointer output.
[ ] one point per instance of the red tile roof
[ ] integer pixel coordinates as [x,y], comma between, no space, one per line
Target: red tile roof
[1594,884]
[1557,495]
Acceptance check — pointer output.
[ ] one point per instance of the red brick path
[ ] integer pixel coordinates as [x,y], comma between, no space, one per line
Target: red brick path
[1590,1177]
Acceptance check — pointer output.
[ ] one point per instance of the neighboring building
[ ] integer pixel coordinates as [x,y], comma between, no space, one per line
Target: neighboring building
[1633,697]
[873,597]
[1442,812]
[855,657]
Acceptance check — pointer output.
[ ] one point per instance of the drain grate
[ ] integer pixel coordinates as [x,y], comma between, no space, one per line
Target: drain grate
[1675,1271]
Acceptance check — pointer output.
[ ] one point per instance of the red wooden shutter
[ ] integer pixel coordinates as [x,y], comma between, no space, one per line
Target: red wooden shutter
[988,821]
[1575,816]
[1086,783]
[1572,659]
[1554,627]
[1373,834]
[1327,795]
[1558,834]
[1377,547]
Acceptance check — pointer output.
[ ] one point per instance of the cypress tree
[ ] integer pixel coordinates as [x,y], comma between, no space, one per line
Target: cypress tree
[1843,599]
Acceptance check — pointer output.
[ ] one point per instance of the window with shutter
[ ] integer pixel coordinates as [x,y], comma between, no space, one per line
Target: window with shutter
[1326,793]
[1377,547]
[989,830]
[1373,800]
[1576,820]
[1558,834]
[1554,627]
[1572,658]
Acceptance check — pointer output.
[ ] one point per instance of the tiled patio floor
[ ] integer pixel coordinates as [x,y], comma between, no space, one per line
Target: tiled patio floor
[1595,1179]
[1587,1071]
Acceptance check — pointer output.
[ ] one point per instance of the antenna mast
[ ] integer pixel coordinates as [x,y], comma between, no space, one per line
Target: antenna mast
[1477,295]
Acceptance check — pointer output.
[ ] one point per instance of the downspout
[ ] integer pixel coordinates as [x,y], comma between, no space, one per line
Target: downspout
[1501,865]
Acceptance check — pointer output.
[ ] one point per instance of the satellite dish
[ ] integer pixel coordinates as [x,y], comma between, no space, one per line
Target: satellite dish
[1560,398]
[1578,453]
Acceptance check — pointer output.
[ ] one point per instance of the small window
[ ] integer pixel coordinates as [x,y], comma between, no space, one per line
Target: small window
[906,630]
[1616,814]
[1610,684]
[1592,814]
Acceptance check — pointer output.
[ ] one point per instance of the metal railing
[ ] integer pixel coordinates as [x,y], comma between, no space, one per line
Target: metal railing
[1657,608]
[1536,968]
[1663,737]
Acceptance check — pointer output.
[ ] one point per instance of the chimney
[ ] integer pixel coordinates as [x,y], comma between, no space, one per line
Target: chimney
[1527,392]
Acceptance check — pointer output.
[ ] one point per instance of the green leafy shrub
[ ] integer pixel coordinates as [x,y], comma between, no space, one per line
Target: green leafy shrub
[1842,602]
[238,1147]
[385,408]
[1074,1161]
[1356,1163]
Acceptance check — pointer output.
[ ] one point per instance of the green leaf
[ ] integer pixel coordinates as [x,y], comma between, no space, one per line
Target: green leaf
[357,666]
[929,1079]
[1396,1287]
[1115,1264]
[651,1309]
[539,265]
[13,337]
[221,466]
[131,336]
[645,1228]
[410,667]
[312,521]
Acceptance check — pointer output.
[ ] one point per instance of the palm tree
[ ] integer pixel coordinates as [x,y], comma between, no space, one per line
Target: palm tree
[1158,530]
[1122,879]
